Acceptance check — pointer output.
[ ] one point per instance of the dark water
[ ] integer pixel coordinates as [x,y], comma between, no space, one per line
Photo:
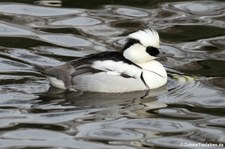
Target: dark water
[189,112]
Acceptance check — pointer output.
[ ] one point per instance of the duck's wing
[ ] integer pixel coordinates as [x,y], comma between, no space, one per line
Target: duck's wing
[108,62]
[81,65]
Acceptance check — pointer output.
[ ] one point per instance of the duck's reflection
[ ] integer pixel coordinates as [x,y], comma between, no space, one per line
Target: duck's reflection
[92,99]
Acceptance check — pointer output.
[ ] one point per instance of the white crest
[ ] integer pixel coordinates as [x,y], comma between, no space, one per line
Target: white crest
[147,37]
[136,52]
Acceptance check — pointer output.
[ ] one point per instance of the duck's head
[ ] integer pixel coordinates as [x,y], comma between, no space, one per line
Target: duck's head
[142,46]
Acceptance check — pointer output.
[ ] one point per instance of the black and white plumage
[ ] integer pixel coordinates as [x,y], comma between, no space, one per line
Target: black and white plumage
[132,69]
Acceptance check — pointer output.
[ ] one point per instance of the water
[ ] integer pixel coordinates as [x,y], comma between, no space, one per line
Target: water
[188,111]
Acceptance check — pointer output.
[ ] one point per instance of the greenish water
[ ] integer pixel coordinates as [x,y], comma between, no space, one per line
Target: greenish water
[189,112]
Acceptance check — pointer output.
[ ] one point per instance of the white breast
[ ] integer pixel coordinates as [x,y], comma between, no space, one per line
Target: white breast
[154,74]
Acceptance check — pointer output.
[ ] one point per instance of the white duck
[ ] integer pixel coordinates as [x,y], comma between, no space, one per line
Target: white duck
[133,69]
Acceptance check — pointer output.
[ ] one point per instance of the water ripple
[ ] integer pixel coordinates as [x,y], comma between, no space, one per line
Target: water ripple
[131,12]
[77,21]
[65,40]
[187,93]
[200,8]
[7,29]
[36,11]
[122,127]
[45,138]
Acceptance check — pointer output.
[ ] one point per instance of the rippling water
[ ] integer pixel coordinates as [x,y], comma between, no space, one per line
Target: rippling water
[188,111]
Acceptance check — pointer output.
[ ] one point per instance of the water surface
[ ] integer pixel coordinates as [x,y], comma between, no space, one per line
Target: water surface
[188,111]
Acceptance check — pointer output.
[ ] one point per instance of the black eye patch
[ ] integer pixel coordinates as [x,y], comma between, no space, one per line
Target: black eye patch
[152,51]
[130,42]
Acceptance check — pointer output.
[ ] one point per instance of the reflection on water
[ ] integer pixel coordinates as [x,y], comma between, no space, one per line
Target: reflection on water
[189,110]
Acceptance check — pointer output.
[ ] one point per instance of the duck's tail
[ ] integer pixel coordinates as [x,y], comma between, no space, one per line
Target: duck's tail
[39,68]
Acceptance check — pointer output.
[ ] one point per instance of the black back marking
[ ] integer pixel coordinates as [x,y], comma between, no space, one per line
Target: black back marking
[152,51]
[126,75]
[110,55]
[130,42]
[143,80]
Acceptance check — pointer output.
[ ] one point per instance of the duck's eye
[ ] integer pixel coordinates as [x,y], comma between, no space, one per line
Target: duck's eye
[152,51]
